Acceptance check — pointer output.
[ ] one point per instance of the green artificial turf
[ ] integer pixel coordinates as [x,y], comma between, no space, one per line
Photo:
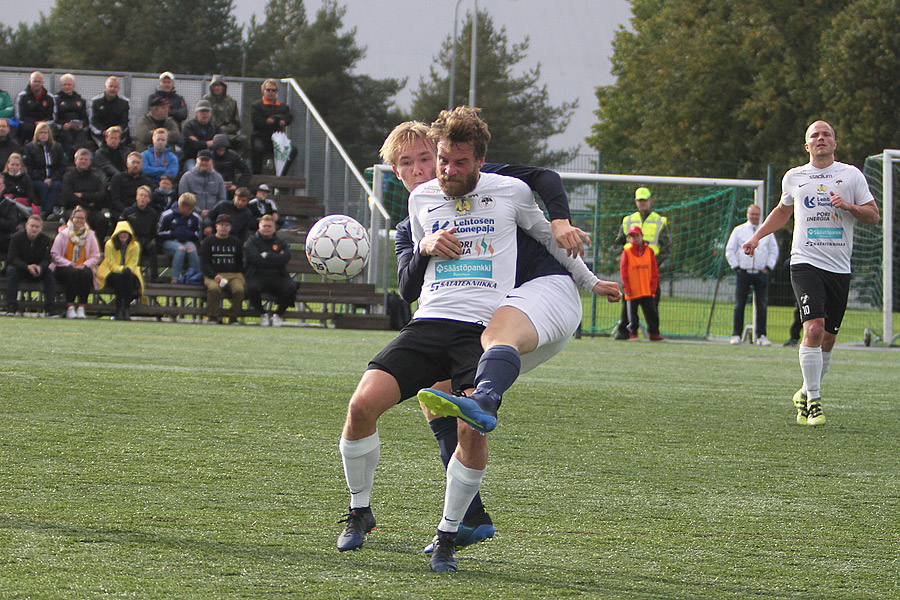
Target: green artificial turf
[157,460]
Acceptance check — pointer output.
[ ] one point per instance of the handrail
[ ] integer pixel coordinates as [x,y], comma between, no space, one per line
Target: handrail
[315,113]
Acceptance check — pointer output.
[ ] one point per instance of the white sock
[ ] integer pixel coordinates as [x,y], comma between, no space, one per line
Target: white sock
[826,362]
[811,367]
[462,485]
[360,457]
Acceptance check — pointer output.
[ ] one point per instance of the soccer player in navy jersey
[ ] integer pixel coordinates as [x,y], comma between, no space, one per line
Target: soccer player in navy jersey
[826,198]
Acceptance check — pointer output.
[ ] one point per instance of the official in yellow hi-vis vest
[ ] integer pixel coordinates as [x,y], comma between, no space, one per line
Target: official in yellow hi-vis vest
[656,233]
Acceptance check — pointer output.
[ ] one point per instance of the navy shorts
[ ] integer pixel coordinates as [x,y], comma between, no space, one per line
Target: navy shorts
[430,350]
[820,294]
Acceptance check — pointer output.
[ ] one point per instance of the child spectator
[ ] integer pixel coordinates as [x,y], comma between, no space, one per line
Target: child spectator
[45,162]
[144,219]
[165,196]
[179,232]
[640,278]
[17,184]
[263,205]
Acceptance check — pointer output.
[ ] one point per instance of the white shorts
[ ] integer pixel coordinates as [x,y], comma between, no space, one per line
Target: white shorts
[553,305]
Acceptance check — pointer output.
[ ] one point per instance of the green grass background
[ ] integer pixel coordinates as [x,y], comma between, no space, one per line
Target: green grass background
[147,460]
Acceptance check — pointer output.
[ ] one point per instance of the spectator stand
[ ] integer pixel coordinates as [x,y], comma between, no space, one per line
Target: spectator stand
[321,180]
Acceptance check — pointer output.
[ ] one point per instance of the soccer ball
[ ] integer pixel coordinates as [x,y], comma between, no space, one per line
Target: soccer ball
[337,247]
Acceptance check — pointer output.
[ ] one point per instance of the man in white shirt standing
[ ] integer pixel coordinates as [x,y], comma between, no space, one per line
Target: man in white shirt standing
[751,272]
[826,198]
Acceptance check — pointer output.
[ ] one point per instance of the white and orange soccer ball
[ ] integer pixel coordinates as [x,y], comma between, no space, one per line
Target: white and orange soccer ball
[337,247]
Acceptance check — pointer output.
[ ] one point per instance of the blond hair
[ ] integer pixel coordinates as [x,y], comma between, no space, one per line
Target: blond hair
[402,135]
[187,199]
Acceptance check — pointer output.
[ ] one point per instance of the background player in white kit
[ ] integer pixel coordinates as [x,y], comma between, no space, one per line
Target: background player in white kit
[826,198]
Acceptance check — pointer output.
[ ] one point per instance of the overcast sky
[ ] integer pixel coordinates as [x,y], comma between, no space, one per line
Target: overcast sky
[571,39]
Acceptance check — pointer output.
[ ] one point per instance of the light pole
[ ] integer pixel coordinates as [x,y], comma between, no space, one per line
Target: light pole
[453,56]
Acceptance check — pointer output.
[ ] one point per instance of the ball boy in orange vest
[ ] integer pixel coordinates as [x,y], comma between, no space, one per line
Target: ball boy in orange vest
[640,278]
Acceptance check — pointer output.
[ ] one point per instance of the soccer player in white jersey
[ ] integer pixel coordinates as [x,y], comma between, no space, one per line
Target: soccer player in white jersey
[443,340]
[826,198]
[551,304]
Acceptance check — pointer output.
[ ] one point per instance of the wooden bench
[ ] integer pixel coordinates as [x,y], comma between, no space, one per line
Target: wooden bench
[352,306]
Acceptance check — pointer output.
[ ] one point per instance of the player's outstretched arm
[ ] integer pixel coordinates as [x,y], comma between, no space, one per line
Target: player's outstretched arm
[775,221]
[550,189]
[572,239]
[610,289]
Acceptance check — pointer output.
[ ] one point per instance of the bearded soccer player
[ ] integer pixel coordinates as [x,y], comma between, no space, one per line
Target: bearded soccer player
[444,339]
[826,198]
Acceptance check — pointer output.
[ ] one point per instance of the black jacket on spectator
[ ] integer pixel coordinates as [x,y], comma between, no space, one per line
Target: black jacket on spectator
[260,112]
[203,133]
[43,163]
[123,189]
[24,252]
[91,186]
[219,255]
[70,107]
[19,186]
[10,219]
[163,200]
[106,113]
[110,161]
[143,223]
[230,164]
[241,218]
[275,263]
[177,107]
[8,146]
[32,110]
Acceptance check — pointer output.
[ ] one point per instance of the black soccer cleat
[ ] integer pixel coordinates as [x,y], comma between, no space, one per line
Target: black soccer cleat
[359,522]
[444,556]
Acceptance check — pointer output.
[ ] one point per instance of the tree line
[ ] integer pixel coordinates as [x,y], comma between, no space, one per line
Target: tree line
[203,37]
[718,80]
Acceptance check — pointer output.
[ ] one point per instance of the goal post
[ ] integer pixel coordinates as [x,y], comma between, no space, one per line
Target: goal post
[880,171]
[693,278]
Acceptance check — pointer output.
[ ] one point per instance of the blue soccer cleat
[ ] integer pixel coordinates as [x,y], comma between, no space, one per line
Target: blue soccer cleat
[481,528]
[476,413]
[359,522]
[444,556]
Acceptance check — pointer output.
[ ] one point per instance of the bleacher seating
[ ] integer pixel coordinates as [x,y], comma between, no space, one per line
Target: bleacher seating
[342,304]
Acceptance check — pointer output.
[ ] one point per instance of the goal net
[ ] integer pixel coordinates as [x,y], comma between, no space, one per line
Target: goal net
[697,289]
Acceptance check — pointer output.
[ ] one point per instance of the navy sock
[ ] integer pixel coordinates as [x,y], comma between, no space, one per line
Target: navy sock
[444,429]
[497,371]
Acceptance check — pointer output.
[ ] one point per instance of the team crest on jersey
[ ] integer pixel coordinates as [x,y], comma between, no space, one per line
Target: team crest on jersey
[463,206]
[822,188]
[839,182]
[486,202]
